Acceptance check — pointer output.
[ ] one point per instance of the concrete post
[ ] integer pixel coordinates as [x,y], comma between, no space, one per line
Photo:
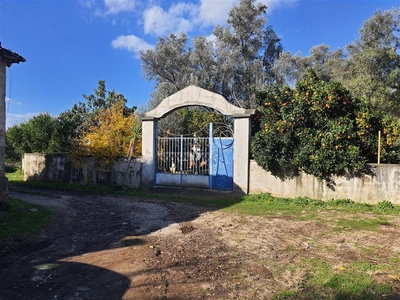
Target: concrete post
[149,146]
[3,179]
[241,153]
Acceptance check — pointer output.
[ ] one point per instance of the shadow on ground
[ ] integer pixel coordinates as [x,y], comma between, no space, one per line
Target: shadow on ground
[51,265]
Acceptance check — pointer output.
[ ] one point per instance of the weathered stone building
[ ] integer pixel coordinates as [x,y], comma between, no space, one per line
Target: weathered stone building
[7,58]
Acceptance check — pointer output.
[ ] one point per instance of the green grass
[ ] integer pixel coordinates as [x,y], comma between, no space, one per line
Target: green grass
[355,280]
[303,208]
[18,217]
[360,223]
[14,174]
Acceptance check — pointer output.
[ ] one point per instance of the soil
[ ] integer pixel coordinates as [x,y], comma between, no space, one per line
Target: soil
[111,247]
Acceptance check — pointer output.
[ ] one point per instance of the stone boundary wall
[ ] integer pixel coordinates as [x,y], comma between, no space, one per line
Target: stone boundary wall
[384,185]
[57,168]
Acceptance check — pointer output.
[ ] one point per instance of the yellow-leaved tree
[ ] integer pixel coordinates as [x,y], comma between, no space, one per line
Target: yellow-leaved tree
[109,137]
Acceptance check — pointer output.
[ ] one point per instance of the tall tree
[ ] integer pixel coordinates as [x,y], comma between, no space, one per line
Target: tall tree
[45,133]
[110,136]
[373,71]
[191,66]
[320,128]
[39,134]
[246,49]
[240,57]
[85,114]
[369,67]
[327,64]
[168,62]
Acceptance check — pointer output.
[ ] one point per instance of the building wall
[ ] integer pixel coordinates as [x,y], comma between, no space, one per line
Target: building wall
[384,185]
[3,179]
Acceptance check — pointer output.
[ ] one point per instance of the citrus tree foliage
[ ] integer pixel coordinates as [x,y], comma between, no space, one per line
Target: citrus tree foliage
[109,137]
[318,127]
[41,134]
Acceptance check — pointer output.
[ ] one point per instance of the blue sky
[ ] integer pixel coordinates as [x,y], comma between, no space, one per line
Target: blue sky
[71,44]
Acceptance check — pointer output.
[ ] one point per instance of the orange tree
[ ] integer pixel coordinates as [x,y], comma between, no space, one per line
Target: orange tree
[318,127]
[108,137]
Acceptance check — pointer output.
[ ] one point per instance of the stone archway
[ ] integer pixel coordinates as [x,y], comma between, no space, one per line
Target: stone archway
[196,96]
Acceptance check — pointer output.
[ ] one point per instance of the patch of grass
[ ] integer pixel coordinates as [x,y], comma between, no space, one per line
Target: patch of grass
[266,205]
[329,249]
[366,250]
[19,217]
[303,208]
[371,224]
[14,174]
[206,202]
[386,207]
[353,281]
[98,189]
[290,294]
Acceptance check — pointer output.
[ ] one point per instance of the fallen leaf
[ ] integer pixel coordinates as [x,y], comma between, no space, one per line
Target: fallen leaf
[394,277]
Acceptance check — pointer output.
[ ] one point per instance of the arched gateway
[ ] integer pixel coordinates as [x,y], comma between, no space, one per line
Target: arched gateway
[196,96]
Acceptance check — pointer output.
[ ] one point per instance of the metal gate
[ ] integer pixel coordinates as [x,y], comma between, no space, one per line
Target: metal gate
[205,162]
[221,162]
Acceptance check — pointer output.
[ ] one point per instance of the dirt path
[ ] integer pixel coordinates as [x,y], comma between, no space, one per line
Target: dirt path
[107,247]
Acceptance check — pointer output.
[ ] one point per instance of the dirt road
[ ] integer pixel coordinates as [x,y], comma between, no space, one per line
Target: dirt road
[108,247]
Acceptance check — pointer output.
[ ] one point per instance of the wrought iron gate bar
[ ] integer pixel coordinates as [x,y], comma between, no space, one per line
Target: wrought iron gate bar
[183,155]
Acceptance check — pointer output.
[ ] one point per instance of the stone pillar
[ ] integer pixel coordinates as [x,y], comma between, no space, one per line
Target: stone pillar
[149,146]
[3,179]
[241,153]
